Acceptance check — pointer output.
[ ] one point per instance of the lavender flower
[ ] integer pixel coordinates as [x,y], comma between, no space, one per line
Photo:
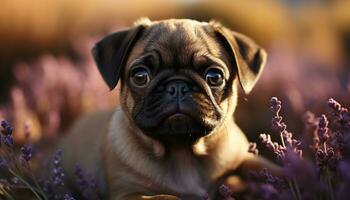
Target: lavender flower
[8,140]
[253,148]
[341,126]
[277,124]
[57,170]
[310,130]
[288,142]
[205,196]
[226,192]
[7,128]
[81,179]
[289,145]
[279,150]
[292,143]
[310,120]
[22,177]
[3,163]
[67,197]
[15,180]
[38,89]
[7,132]
[331,150]
[322,130]
[326,155]
[265,176]
[27,152]
[87,185]
[47,187]
[326,158]
[340,112]
[263,185]
[54,186]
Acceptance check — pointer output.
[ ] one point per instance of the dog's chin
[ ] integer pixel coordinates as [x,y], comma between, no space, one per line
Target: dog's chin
[178,128]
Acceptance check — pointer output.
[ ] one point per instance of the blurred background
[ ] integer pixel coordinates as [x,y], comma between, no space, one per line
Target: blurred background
[48,78]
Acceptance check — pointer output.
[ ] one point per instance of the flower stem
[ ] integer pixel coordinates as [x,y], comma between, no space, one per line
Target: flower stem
[295,190]
[36,183]
[7,195]
[25,183]
[282,140]
[38,187]
[329,183]
[298,193]
[292,190]
[328,176]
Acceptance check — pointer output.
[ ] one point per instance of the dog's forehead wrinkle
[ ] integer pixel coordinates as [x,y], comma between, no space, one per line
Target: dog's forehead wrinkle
[176,40]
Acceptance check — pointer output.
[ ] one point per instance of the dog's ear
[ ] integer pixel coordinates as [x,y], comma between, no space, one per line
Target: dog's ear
[111,53]
[249,57]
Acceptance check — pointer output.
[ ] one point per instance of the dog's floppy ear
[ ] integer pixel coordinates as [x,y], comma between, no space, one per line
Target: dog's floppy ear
[112,51]
[249,57]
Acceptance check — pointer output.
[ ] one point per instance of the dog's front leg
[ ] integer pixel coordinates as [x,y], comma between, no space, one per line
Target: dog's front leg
[252,163]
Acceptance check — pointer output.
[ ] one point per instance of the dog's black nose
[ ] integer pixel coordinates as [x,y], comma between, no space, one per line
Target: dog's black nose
[177,88]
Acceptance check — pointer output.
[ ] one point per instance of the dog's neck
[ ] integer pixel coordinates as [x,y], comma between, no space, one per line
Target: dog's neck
[209,143]
[205,145]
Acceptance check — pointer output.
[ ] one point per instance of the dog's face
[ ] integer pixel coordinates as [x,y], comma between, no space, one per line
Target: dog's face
[178,77]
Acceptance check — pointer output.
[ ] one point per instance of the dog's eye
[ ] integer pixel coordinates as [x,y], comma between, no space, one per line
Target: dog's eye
[140,76]
[214,77]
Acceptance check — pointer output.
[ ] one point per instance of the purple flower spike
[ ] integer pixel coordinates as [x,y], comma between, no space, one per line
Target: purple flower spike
[8,140]
[87,185]
[27,152]
[3,163]
[15,180]
[57,170]
[322,130]
[341,113]
[81,180]
[326,158]
[277,124]
[253,148]
[279,150]
[325,155]
[67,197]
[7,132]
[276,105]
[7,128]
[334,105]
[280,128]
[270,179]
[225,191]
[206,196]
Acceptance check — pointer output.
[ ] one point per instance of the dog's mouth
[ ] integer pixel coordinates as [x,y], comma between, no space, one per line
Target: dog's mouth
[178,127]
[179,124]
[182,128]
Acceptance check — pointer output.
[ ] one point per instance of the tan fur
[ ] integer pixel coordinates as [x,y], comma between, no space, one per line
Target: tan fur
[135,166]
[132,167]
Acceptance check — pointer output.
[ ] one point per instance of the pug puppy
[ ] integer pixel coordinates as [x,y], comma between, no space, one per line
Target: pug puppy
[174,134]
